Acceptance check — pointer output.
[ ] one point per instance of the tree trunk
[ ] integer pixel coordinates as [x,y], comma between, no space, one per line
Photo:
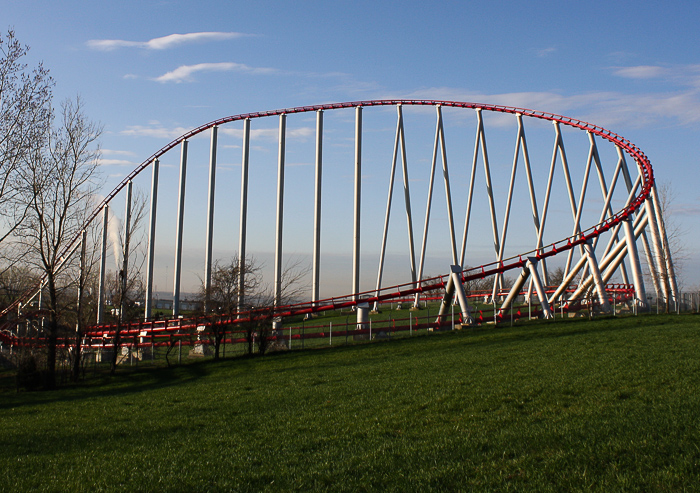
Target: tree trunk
[76,359]
[50,377]
[115,352]
[218,335]
[52,339]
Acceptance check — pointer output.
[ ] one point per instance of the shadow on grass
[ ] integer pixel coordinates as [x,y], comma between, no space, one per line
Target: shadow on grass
[126,381]
[136,380]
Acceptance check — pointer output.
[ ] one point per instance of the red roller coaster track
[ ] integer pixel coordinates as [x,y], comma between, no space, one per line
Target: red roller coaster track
[404,290]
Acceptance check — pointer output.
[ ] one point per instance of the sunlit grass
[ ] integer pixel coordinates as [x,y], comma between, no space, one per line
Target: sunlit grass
[607,405]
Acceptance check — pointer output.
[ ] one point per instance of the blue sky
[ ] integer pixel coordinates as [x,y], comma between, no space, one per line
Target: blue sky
[150,70]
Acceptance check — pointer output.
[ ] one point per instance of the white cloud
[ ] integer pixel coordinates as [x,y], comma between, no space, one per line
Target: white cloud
[686,209]
[546,52]
[162,43]
[184,72]
[270,133]
[157,132]
[681,75]
[607,109]
[116,162]
[640,72]
[111,152]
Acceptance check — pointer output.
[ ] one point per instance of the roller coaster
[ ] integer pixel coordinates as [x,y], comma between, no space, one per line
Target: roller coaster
[601,264]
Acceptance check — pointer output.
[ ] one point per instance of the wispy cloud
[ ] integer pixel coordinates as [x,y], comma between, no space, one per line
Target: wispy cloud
[114,152]
[640,72]
[546,52]
[184,73]
[164,42]
[116,162]
[122,155]
[271,133]
[680,75]
[608,109]
[159,132]
[686,209]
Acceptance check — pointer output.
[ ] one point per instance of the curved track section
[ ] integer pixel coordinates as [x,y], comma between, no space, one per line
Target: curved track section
[605,250]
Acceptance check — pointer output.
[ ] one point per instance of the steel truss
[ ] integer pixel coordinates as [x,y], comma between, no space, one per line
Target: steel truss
[589,266]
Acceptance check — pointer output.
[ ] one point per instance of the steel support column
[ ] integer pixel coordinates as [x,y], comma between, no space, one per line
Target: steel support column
[103,267]
[597,277]
[399,143]
[280,208]
[664,242]
[658,263]
[151,241]
[633,254]
[455,286]
[516,288]
[316,261]
[124,273]
[448,192]
[210,219]
[243,223]
[541,293]
[179,230]
[358,190]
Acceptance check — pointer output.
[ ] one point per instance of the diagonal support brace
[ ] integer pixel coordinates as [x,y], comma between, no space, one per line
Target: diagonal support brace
[454,285]
[517,286]
[541,293]
[597,277]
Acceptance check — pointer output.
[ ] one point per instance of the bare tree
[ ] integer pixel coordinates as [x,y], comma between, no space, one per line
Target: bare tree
[556,277]
[15,280]
[223,296]
[224,293]
[259,304]
[668,261]
[127,285]
[25,117]
[293,288]
[58,181]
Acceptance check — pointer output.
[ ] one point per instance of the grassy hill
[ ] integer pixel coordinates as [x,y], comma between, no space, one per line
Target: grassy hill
[605,405]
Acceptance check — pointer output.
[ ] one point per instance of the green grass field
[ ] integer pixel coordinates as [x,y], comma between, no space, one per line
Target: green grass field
[607,405]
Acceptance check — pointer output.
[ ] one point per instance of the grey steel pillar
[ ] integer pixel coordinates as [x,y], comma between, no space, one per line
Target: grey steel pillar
[316,268]
[280,209]
[210,219]
[633,255]
[362,317]
[103,266]
[382,251]
[516,288]
[446,179]
[658,263]
[178,233]
[151,241]
[455,286]
[664,243]
[124,274]
[597,277]
[461,295]
[407,202]
[244,214]
[428,205]
[358,180]
[541,294]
